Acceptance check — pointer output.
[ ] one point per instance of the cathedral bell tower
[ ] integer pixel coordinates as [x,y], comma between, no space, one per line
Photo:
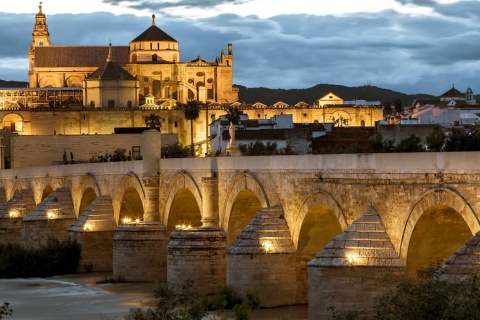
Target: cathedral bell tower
[40,36]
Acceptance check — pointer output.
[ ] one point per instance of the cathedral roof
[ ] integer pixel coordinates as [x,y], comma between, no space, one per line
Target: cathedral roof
[77,56]
[154,33]
[111,70]
[453,93]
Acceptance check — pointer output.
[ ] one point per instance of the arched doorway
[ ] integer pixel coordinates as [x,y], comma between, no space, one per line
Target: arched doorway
[13,122]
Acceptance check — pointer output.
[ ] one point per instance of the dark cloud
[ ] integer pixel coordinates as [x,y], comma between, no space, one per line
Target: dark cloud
[159,5]
[420,3]
[408,53]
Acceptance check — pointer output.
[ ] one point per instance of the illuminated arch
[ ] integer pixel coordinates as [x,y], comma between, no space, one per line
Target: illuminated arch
[180,181]
[313,199]
[13,122]
[50,82]
[87,182]
[46,192]
[74,81]
[431,198]
[243,181]
[130,181]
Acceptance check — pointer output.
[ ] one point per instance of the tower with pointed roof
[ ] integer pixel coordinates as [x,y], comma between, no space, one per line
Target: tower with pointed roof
[40,36]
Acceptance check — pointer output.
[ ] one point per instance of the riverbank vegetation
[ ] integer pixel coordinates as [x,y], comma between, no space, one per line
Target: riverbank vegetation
[55,258]
[423,299]
[184,304]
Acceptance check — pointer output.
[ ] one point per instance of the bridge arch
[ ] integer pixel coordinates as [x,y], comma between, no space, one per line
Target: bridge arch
[244,186]
[436,209]
[46,191]
[129,185]
[182,185]
[83,193]
[319,197]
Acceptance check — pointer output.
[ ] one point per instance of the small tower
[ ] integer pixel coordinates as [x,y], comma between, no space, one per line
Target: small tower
[40,37]
[227,59]
[470,97]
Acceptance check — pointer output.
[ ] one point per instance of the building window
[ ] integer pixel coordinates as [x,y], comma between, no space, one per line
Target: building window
[111,104]
[136,152]
[175,124]
[129,104]
[362,123]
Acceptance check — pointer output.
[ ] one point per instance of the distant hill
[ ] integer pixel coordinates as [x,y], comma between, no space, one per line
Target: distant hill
[292,96]
[13,84]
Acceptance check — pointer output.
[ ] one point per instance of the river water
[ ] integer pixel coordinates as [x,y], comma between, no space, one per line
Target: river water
[79,297]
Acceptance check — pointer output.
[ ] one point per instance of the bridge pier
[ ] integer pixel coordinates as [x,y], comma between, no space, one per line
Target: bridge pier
[94,231]
[139,252]
[198,254]
[357,266]
[263,257]
[11,214]
[50,219]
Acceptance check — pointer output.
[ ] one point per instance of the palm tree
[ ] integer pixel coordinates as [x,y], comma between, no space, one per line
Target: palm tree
[191,110]
[153,121]
[233,114]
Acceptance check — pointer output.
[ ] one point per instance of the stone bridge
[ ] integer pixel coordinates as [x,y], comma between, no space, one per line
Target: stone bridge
[256,221]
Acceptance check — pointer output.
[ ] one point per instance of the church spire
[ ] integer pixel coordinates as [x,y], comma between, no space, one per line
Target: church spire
[109,57]
[40,8]
[153,19]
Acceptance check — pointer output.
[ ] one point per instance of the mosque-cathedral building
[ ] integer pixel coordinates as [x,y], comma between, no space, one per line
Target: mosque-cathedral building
[78,90]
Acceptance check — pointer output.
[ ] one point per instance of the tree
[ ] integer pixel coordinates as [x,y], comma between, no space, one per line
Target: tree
[412,143]
[175,151]
[152,121]
[380,145]
[233,115]
[435,140]
[456,141]
[397,103]
[191,111]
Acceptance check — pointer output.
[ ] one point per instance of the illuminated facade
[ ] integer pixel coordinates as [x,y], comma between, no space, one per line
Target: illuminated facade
[153,58]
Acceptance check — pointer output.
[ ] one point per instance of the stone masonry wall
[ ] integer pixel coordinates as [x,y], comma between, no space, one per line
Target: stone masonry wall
[30,151]
[347,288]
[273,274]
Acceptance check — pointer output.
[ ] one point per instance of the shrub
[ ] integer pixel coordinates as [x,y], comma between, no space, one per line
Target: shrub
[5,310]
[172,305]
[56,258]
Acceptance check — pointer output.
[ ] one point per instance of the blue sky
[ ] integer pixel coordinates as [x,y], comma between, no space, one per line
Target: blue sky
[411,46]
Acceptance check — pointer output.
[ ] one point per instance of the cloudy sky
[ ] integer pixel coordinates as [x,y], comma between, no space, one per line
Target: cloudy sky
[411,46]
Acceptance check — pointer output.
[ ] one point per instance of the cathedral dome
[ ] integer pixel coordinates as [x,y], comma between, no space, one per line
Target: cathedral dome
[154,34]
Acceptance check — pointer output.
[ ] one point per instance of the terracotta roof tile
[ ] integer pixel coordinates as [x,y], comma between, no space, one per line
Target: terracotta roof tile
[78,56]
[154,33]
